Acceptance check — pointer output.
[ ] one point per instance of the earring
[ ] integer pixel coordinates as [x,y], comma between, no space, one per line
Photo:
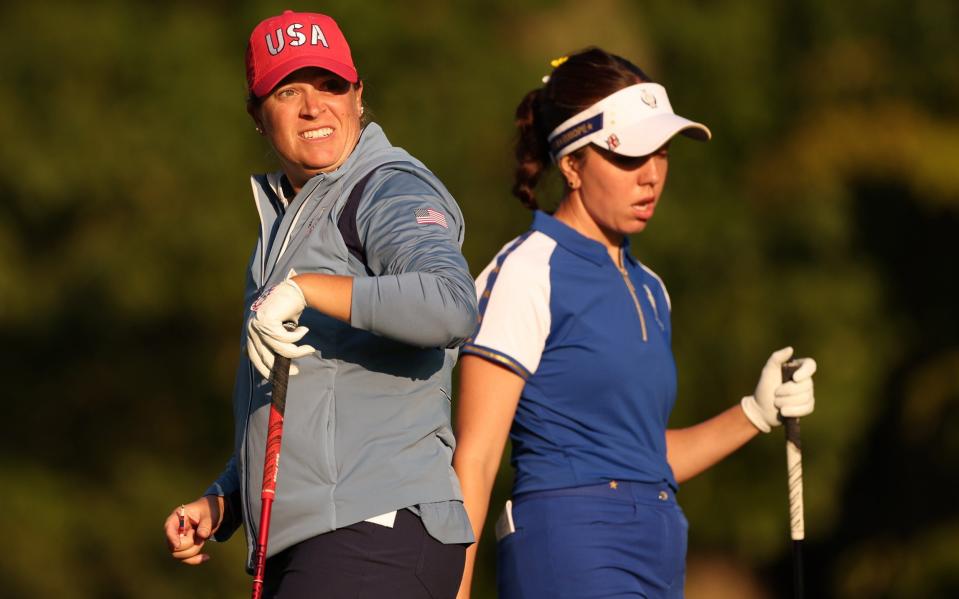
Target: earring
[258,130]
[571,184]
[361,110]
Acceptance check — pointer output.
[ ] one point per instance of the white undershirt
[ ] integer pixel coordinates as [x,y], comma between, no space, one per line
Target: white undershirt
[386,519]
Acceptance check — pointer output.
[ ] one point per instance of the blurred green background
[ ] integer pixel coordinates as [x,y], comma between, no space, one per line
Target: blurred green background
[824,214]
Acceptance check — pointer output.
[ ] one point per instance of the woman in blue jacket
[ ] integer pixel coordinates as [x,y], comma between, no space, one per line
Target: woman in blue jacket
[359,244]
[572,357]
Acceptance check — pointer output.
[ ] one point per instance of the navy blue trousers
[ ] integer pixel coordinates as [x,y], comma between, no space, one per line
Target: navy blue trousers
[368,561]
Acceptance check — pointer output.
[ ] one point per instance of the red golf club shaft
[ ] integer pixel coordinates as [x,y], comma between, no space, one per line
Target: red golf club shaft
[271,466]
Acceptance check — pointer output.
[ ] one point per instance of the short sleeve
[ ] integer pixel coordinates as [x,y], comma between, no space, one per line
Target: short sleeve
[514,305]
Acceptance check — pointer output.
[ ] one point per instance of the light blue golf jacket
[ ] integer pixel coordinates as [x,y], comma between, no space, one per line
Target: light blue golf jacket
[367,427]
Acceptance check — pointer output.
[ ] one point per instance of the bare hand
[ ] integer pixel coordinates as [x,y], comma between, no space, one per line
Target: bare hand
[189,526]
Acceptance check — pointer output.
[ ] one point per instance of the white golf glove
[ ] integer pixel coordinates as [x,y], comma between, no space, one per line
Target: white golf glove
[266,334]
[772,398]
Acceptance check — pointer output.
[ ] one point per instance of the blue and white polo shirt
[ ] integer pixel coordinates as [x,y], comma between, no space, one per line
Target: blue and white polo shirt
[593,343]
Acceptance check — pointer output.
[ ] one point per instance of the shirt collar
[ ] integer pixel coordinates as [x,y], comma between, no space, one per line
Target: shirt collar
[627,253]
[574,241]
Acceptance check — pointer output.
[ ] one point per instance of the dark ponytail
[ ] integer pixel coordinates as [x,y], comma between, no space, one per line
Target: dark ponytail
[583,79]
[532,153]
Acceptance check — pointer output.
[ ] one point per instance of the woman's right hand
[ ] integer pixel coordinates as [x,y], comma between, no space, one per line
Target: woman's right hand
[266,335]
[189,526]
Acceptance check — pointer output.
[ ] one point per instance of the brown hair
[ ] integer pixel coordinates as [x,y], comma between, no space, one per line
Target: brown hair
[585,78]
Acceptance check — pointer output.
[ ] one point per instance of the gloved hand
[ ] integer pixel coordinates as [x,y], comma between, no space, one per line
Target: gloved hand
[266,334]
[772,397]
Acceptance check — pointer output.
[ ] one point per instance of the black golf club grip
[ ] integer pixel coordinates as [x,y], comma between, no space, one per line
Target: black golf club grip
[280,375]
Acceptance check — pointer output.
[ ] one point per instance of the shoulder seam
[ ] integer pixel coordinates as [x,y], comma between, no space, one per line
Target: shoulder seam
[669,302]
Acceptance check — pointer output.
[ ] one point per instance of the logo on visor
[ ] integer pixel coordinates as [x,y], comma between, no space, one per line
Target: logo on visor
[648,98]
[576,132]
[612,142]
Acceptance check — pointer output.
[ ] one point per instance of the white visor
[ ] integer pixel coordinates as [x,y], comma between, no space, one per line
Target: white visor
[635,121]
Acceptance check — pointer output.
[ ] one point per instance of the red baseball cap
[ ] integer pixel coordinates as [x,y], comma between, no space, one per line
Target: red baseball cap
[282,44]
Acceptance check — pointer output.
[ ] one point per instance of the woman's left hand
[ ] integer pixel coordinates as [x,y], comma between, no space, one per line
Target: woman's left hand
[189,526]
[795,398]
[774,398]
[266,335]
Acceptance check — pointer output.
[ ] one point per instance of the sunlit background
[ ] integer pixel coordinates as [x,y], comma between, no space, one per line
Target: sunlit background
[824,214]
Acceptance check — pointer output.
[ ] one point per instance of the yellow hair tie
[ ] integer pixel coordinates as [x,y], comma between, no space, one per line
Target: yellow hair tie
[558,61]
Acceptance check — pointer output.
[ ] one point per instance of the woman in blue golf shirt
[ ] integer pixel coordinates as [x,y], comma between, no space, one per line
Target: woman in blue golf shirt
[572,356]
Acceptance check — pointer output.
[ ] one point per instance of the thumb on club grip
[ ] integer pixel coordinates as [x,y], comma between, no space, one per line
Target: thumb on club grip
[280,373]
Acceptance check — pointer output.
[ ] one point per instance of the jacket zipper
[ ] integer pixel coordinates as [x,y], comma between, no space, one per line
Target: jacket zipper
[632,293]
[244,480]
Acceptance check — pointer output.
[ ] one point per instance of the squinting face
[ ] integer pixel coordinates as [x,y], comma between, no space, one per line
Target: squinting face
[620,193]
[312,119]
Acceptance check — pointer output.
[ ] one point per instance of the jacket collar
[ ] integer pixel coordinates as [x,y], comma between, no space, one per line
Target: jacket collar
[372,141]
[276,223]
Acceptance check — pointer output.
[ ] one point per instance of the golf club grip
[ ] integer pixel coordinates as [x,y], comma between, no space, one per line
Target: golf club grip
[794,463]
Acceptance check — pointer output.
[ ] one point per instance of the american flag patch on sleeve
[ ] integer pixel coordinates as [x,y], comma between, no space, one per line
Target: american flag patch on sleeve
[428,216]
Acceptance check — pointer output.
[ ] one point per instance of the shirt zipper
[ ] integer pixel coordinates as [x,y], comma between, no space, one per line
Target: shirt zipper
[632,292]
